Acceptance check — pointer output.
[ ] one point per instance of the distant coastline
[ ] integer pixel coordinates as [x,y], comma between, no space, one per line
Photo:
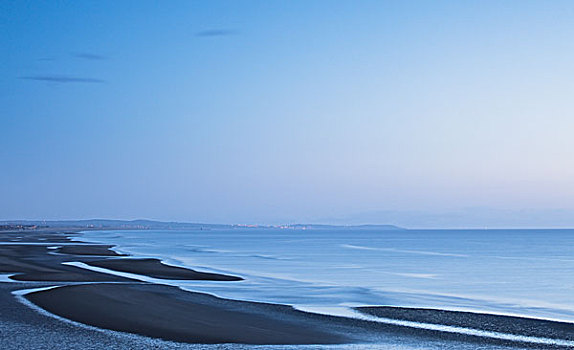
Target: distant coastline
[142,224]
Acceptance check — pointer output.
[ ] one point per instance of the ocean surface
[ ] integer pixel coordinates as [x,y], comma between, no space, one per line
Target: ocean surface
[510,272]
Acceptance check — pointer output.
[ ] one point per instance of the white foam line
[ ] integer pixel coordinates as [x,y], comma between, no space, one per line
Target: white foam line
[173,283]
[415,275]
[500,301]
[5,277]
[116,273]
[143,278]
[419,252]
[497,313]
[350,313]
[22,292]
[19,294]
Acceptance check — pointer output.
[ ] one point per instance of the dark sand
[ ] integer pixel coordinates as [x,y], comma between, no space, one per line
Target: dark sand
[39,236]
[495,323]
[34,263]
[89,250]
[156,269]
[170,313]
[23,328]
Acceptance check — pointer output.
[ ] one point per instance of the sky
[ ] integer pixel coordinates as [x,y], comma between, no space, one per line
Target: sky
[414,113]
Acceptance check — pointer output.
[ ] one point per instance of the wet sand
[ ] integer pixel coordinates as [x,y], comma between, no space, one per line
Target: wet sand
[156,269]
[172,314]
[160,311]
[494,323]
[35,263]
[86,249]
[169,313]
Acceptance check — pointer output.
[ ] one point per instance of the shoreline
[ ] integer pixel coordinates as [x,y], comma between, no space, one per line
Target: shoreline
[117,303]
[476,320]
[167,260]
[172,314]
[155,268]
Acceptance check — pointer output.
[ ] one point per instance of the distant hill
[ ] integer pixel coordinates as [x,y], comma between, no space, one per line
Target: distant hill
[150,224]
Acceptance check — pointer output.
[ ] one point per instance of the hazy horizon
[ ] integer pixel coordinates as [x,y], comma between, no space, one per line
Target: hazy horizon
[415,114]
[472,218]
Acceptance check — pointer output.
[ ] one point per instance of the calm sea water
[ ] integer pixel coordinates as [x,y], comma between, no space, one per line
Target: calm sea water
[518,272]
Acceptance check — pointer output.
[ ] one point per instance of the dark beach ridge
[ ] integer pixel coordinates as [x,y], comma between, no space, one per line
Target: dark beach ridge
[487,322]
[108,301]
[172,314]
[156,269]
[88,249]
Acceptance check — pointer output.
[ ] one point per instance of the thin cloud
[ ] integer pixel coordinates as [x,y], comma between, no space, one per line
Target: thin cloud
[62,79]
[215,33]
[89,56]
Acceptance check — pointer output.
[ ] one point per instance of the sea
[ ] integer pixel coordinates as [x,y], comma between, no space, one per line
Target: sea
[508,272]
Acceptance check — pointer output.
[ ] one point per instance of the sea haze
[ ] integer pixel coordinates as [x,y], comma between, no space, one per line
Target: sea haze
[515,272]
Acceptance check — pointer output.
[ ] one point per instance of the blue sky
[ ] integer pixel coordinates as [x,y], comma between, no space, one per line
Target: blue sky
[418,113]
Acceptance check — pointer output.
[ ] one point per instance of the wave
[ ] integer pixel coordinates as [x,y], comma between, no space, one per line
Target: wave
[406,251]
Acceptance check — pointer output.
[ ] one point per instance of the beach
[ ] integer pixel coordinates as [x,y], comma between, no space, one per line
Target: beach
[62,296]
